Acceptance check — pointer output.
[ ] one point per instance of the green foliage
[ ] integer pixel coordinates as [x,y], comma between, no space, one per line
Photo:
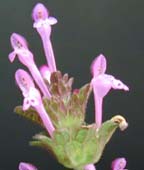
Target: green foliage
[76,148]
[29,114]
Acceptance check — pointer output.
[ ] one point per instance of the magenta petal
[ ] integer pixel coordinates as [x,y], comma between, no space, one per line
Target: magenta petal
[33,98]
[89,167]
[45,72]
[117,84]
[24,81]
[12,56]
[26,104]
[39,12]
[18,41]
[101,85]
[99,65]
[52,20]
[26,166]
[119,164]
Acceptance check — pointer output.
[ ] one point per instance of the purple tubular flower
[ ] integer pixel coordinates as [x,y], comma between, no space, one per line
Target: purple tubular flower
[26,57]
[90,167]
[119,164]
[32,98]
[45,72]
[42,23]
[26,166]
[101,84]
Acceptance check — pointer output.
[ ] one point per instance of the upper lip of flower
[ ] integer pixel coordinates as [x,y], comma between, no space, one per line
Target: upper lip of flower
[18,41]
[24,81]
[40,12]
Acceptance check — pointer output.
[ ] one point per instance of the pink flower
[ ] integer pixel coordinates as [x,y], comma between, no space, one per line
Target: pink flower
[89,167]
[32,98]
[26,166]
[101,84]
[26,57]
[45,72]
[42,23]
[119,164]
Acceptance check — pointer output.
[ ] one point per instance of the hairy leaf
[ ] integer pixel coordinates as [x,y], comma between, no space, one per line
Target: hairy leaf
[29,114]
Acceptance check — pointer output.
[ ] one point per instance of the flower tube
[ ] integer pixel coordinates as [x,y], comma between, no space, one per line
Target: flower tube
[42,23]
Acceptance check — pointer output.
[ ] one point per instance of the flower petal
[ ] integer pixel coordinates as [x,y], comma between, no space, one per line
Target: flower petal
[40,12]
[98,66]
[26,166]
[52,20]
[26,104]
[24,81]
[33,98]
[12,56]
[101,85]
[89,167]
[45,72]
[119,164]
[18,41]
[104,82]
[117,84]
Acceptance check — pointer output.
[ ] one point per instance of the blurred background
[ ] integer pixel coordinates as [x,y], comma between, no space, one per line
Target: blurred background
[85,29]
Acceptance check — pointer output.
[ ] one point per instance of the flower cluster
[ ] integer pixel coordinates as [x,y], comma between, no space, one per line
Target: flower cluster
[50,102]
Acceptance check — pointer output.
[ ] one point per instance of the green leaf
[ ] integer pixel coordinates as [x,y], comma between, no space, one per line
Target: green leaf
[43,142]
[106,131]
[70,122]
[75,153]
[103,136]
[29,114]
[62,158]
[81,135]
[61,137]
[84,94]
[78,101]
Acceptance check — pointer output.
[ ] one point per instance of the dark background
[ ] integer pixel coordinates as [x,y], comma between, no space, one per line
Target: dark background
[85,29]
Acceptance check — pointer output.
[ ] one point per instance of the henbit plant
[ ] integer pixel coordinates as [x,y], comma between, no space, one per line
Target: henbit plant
[50,102]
